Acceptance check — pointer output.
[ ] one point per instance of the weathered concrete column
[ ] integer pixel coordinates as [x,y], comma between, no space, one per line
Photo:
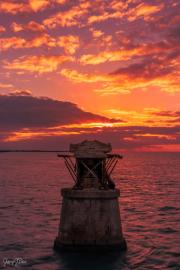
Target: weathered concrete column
[90,215]
[90,219]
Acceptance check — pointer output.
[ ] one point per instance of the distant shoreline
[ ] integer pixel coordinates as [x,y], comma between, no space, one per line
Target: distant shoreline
[32,151]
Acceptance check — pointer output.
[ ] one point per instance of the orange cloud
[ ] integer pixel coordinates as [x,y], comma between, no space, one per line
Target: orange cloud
[2,29]
[125,54]
[151,73]
[14,7]
[38,5]
[109,56]
[67,18]
[31,26]
[16,27]
[116,10]
[105,16]
[78,77]
[12,42]
[96,33]
[143,10]
[137,118]
[125,82]
[43,39]
[10,7]
[125,85]
[40,64]
[70,43]
[27,134]
[18,42]
[34,26]
[120,5]
[5,85]
[21,93]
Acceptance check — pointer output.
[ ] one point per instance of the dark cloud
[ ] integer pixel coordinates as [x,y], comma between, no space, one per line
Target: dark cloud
[148,69]
[19,112]
[130,138]
[25,111]
[167,113]
[20,93]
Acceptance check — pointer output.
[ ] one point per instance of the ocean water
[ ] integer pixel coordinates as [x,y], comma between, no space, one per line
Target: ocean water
[30,205]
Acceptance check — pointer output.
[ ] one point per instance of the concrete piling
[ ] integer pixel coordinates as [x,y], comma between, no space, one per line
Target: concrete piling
[90,215]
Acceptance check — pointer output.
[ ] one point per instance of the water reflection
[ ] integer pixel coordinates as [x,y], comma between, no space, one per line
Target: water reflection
[95,261]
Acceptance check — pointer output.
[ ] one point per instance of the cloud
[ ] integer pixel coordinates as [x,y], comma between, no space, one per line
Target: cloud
[148,116]
[12,42]
[19,42]
[5,85]
[29,121]
[149,68]
[40,64]
[30,26]
[34,26]
[124,84]
[105,16]
[109,10]
[167,113]
[96,33]
[67,18]
[38,5]
[122,47]
[144,11]
[151,72]
[129,51]
[110,56]
[20,110]
[16,27]
[16,6]
[78,77]
[20,93]
[13,7]
[131,10]
[156,72]
[69,43]
[2,29]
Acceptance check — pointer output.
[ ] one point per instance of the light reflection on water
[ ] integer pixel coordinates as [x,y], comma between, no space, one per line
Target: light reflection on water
[150,207]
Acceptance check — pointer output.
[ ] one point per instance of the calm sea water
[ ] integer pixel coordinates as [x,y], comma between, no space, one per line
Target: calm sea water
[150,210]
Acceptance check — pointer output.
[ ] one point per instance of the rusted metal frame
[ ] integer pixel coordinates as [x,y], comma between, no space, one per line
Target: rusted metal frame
[67,165]
[110,163]
[73,165]
[94,167]
[103,173]
[70,169]
[112,168]
[91,172]
[107,161]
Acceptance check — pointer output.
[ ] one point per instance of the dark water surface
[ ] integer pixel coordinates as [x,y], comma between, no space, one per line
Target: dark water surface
[150,210]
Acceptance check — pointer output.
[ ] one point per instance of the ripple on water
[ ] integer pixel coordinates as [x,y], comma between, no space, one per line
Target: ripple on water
[149,202]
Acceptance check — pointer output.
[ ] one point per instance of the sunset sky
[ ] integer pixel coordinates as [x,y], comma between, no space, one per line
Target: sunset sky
[103,69]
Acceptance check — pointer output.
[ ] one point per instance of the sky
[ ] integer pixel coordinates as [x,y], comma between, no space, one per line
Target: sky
[72,70]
